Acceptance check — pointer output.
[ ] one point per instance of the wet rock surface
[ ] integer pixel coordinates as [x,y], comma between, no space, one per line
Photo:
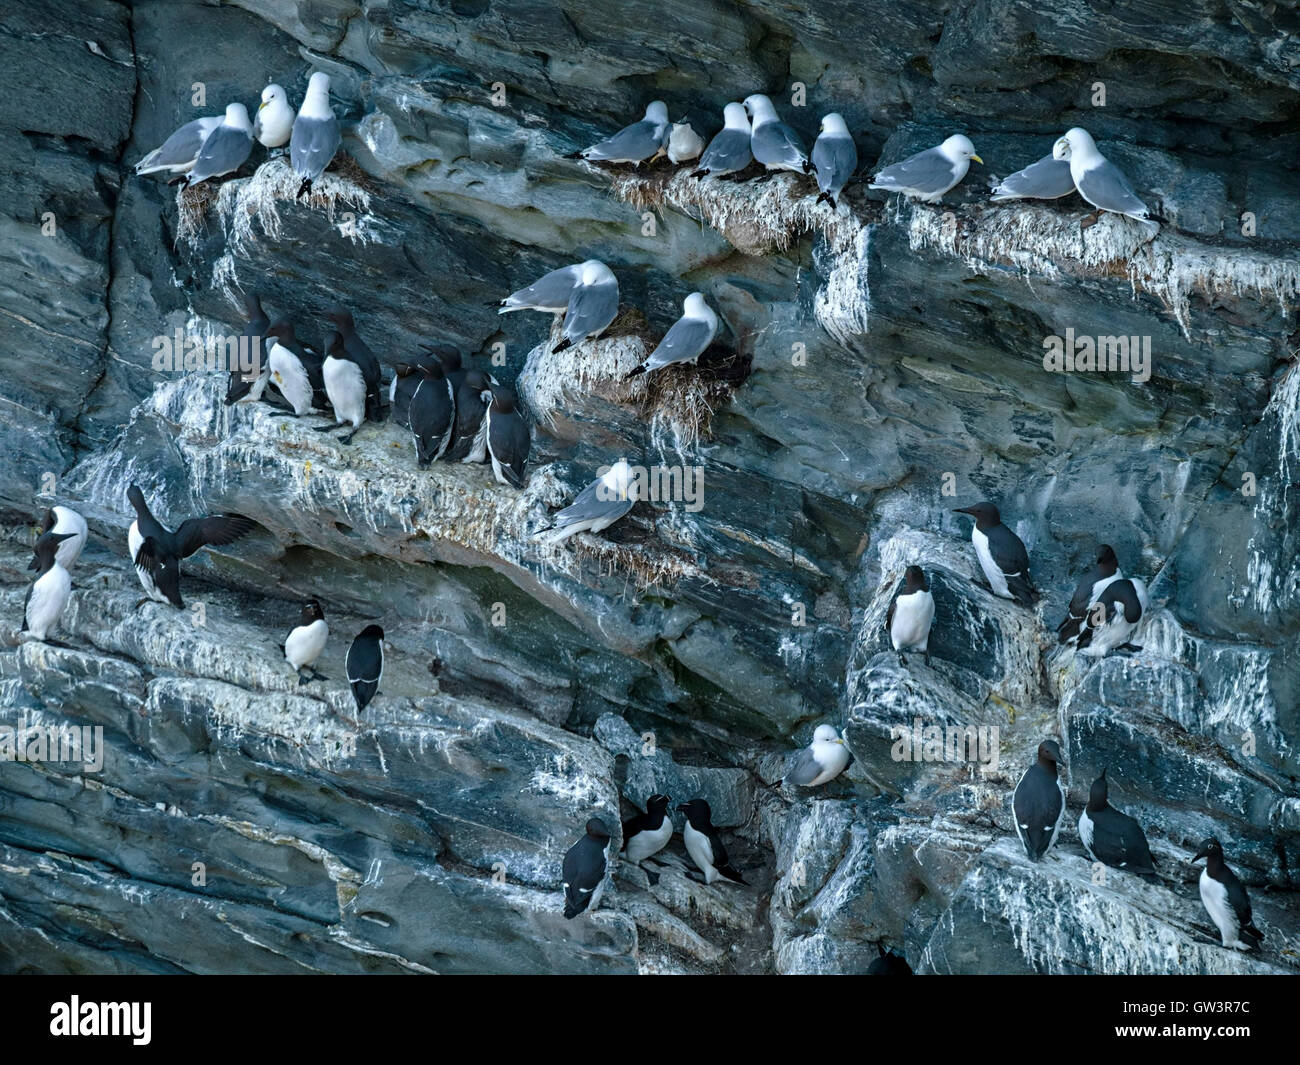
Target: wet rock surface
[878,365]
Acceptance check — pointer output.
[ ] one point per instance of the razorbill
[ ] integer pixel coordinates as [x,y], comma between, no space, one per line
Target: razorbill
[472,398]
[49,593]
[1113,617]
[406,379]
[648,833]
[643,141]
[306,641]
[598,506]
[1098,180]
[157,553]
[432,414]
[771,142]
[911,614]
[686,340]
[703,843]
[254,335]
[1225,900]
[1091,585]
[225,148]
[365,665]
[927,175]
[584,869]
[315,136]
[274,122]
[1002,555]
[821,761]
[360,353]
[834,157]
[592,306]
[346,386]
[1038,802]
[507,438]
[1111,837]
[63,520]
[297,372]
[728,152]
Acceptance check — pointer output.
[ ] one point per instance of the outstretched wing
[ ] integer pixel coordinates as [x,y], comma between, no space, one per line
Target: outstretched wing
[216,530]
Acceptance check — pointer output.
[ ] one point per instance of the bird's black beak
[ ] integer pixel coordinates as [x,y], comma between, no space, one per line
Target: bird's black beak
[681,806]
[33,563]
[963,510]
[1202,853]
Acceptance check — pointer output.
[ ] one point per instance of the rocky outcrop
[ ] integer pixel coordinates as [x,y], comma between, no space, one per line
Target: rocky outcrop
[879,364]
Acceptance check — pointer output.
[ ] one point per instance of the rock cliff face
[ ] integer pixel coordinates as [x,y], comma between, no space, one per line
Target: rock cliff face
[878,366]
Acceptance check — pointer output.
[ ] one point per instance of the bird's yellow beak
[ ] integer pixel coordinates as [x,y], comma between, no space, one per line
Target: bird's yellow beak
[262,105]
[977,159]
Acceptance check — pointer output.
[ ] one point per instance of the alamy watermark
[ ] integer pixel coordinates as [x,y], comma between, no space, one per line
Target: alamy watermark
[935,743]
[53,743]
[655,484]
[1083,353]
[182,354]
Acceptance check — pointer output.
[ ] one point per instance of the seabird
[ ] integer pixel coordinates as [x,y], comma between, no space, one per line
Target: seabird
[703,843]
[687,339]
[641,141]
[593,305]
[771,141]
[315,137]
[648,833]
[359,352]
[274,122]
[297,372]
[507,437]
[684,144]
[253,335]
[365,665]
[728,152]
[1113,617]
[927,175]
[1047,179]
[49,593]
[157,552]
[468,444]
[598,506]
[406,379]
[1038,802]
[821,761]
[64,521]
[1090,587]
[432,414]
[225,149]
[1098,180]
[179,152]
[550,293]
[584,870]
[1002,555]
[1225,900]
[1111,837]
[911,614]
[306,641]
[835,158]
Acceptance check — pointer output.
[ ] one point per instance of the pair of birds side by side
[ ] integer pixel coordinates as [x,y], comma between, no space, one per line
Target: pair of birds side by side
[61,539]
[212,147]
[586,863]
[1115,839]
[364,664]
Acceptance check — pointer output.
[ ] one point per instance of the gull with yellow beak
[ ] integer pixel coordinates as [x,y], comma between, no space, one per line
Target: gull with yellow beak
[821,761]
[274,122]
[927,175]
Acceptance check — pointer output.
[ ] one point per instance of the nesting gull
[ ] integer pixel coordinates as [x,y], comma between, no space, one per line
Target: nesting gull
[821,761]
[315,136]
[686,340]
[597,506]
[637,143]
[274,122]
[684,143]
[226,148]
[1098,180]
[927,175]
[773,143]
[835,158]
[179,152]
[593,304]
[1047,179]
[728,152]
[550,293]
